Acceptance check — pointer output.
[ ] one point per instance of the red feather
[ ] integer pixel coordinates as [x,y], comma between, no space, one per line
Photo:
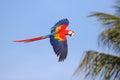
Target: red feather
[31,39]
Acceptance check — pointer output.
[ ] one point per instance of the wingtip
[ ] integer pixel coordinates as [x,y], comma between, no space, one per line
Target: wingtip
[62,21]
[60,60]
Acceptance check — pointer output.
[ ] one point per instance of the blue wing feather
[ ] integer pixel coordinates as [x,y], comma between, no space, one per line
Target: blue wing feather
[61,22]
[60,48]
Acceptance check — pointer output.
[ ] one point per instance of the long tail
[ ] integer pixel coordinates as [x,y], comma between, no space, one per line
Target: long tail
[32,39]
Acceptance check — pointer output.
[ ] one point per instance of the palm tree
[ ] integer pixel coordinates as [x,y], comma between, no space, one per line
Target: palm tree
[98,65]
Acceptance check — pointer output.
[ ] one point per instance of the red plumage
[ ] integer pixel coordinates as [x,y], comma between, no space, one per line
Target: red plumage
[57,37]
[31,39]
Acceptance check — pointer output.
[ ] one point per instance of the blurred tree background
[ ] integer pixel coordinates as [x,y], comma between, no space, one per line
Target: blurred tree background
[103,66]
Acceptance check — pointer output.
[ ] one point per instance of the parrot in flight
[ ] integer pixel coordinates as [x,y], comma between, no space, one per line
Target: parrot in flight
[57,37]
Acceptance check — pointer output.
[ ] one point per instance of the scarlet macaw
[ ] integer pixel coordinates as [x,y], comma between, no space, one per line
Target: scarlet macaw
[57,38]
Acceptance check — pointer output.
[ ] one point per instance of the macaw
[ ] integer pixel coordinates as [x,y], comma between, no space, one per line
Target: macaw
[57,37]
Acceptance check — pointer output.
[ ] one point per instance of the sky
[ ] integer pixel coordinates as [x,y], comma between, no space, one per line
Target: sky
[22,19]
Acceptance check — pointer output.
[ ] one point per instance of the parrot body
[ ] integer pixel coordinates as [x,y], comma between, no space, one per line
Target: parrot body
[57,38]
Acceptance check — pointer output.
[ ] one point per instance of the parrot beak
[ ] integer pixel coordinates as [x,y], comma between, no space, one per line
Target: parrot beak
[71,33]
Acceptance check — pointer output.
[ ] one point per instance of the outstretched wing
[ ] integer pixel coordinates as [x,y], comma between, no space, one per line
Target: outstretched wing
[62,24]
[60,48]
[58,40]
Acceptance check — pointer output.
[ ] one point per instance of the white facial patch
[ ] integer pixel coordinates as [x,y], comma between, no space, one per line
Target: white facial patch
[71,33]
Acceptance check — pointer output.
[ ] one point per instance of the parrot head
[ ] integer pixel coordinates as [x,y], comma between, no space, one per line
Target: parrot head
[70,33]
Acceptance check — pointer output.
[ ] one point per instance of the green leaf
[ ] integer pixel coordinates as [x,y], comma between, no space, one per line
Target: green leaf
[97,64]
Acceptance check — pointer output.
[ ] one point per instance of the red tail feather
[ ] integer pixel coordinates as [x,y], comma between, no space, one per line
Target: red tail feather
[31,39]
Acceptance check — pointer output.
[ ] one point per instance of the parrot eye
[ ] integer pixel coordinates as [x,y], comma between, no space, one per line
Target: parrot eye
[70,33]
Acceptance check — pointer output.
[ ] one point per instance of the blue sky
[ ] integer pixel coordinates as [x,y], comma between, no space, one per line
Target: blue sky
[21,19]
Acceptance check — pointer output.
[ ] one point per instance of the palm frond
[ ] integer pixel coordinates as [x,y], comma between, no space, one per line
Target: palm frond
[117,7]
[110,37]
[117,10]
[99,65]
[107,19]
